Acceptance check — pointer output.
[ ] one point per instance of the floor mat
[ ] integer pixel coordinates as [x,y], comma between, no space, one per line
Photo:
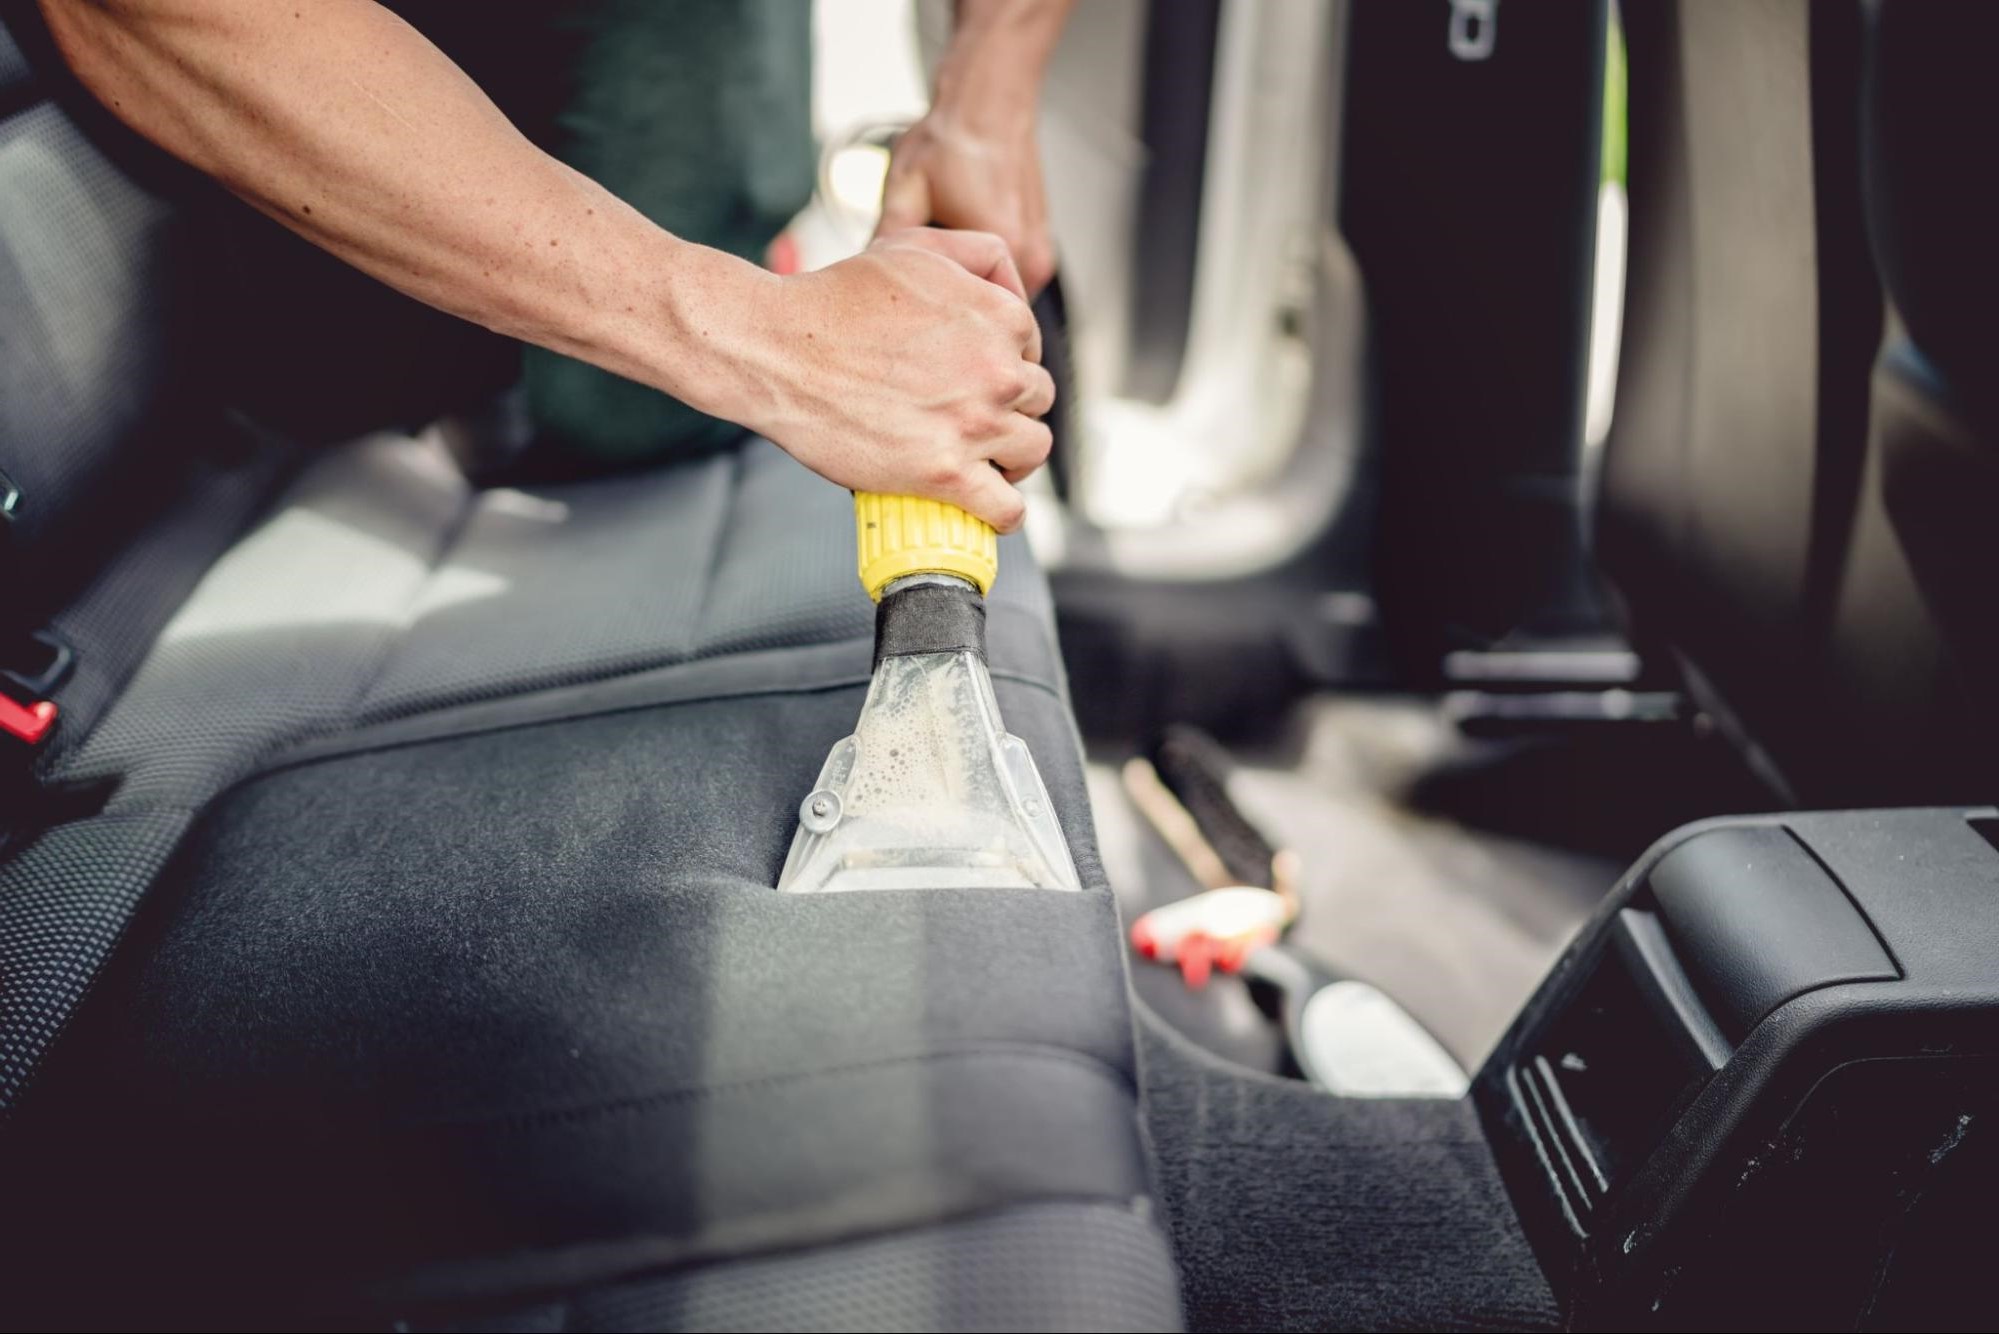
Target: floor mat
[1293,1209]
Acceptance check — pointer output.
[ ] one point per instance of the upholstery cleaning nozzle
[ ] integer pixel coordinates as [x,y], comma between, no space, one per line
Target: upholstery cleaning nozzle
[930,791]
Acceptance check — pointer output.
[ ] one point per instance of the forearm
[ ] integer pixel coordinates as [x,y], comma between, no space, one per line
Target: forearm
[990,77]
[909,368]
[973,161]
[345,124]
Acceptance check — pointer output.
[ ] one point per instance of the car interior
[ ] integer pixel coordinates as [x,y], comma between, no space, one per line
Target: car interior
[1520,485]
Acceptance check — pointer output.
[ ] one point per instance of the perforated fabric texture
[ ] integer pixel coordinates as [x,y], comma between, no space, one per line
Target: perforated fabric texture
[382,551]
[551,956]
[282,636]
[1036,1267]
[554,586]
[113,623]
[64,901]
[86,261]
[277,641]
[381,586]
[562,584]
[785,563]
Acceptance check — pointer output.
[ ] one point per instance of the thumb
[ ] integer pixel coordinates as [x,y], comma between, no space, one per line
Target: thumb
[905,202]
[1037,264]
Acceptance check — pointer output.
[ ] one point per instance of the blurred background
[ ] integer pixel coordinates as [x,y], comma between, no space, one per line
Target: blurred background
[1242,439]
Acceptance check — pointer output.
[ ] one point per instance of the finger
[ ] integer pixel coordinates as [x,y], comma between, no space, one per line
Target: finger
[1023,449]
[980,253]
[1031,349]
[1021,324]
[905,201]
[988,495]
[1037,391]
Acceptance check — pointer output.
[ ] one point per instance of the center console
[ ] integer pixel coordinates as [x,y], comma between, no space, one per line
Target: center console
[1762,1087]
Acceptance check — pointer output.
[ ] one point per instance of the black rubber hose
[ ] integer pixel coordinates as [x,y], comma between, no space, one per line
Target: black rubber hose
[1051,312]
[944,617]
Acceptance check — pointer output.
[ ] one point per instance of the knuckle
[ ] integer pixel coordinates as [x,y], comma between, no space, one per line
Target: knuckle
[1000,305]
[942,474]
[1010,511]
[1041,442]
[1008,383]
[971,420]
[1042,385]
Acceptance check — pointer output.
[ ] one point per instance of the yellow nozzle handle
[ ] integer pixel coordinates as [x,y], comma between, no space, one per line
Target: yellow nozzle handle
[903,535]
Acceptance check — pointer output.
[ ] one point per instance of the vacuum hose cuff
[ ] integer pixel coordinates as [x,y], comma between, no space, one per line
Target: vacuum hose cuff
[944,616]
[903,535]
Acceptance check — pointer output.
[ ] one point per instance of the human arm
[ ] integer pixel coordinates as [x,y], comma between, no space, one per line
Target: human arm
[974,160]
[910,368]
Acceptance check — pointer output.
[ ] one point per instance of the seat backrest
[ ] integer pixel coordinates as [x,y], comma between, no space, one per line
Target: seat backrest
[1916,643]
[1469,173]
[97,376]
[1807,513]
[1751,319]
[146,319]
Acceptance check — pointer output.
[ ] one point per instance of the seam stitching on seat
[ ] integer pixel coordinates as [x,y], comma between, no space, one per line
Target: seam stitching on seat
[993,1050]
[280,763]
[657,1255]
[447,542]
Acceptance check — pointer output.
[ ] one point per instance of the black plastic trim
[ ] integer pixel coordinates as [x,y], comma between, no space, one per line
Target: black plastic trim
[1757,920]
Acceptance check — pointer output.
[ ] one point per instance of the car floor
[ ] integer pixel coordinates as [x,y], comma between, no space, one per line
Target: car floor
[1446,872]
[1457,923]
[1291,1208]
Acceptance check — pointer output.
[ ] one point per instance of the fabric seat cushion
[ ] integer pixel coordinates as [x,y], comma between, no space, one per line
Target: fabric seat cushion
[523,1006]
[382,586]
[474,985]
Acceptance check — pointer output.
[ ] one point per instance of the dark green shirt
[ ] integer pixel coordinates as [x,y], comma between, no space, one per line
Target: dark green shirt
[696,112]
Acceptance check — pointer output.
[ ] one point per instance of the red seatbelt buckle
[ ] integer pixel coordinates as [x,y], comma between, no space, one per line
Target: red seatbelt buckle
[27,723]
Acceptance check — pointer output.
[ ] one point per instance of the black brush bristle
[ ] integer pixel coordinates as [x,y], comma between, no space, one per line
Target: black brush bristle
[1195,768]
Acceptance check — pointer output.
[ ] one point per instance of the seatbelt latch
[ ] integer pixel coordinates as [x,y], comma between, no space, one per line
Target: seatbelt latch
[27,723]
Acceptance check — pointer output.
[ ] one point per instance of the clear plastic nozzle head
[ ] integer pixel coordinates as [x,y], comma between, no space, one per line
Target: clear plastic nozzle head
[930,792]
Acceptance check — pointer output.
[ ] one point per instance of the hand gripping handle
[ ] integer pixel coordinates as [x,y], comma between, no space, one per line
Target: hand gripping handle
[904,535]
